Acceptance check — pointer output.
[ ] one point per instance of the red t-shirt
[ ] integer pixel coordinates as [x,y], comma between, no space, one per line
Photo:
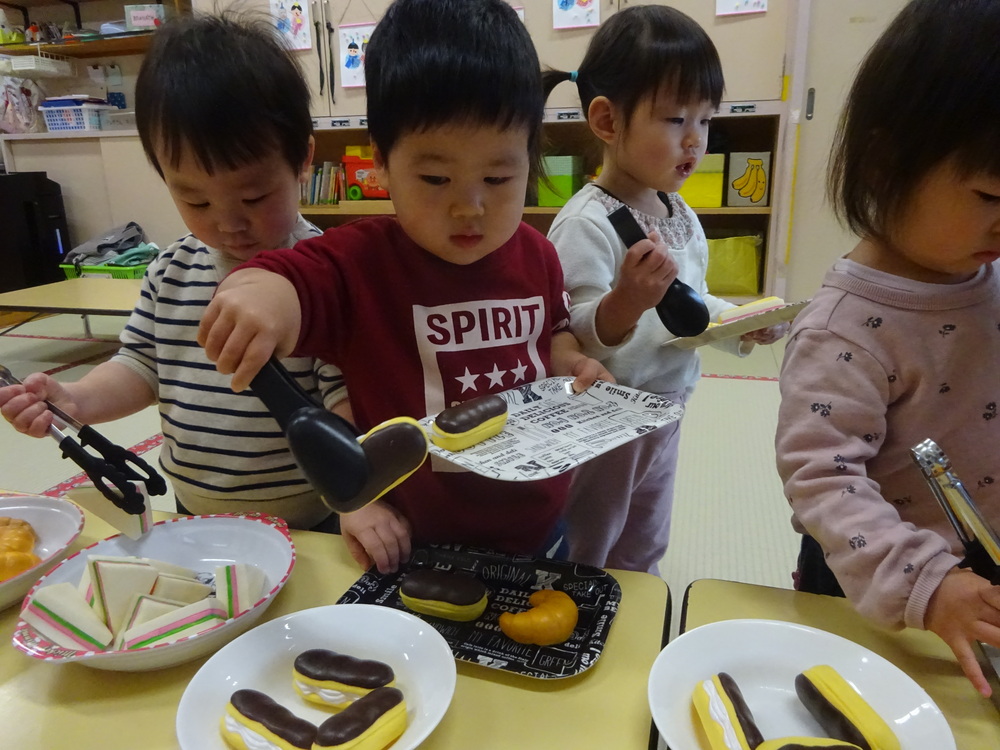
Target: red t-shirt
[414,334]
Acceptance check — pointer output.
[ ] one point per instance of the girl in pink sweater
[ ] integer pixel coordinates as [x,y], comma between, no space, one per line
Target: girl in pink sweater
[902,342]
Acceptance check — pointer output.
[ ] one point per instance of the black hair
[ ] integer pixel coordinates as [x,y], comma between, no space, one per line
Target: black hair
[226,88]
[926,93]
[432,62]
[638,51]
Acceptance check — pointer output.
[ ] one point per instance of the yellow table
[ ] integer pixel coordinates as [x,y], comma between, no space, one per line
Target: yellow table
[974,720]
[85,296]
[49,707]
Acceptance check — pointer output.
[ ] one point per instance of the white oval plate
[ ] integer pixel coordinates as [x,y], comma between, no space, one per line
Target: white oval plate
[57,524]
[764,656]
[197,542]
[263,658]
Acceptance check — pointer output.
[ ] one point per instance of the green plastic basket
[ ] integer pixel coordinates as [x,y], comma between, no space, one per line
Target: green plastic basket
[104,272]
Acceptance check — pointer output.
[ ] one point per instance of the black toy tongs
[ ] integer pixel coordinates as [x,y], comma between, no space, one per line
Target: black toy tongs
[982,546]
[113,471]
[324,445]
[682,310]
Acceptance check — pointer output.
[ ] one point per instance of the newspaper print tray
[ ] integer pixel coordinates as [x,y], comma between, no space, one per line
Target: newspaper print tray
[549,431]
[510,581]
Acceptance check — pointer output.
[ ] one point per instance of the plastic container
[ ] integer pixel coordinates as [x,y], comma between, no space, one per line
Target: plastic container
[117,119]
[103,272]
[41,65]
[81,117]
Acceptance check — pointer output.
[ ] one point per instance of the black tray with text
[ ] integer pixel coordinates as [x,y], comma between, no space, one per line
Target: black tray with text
[510,580]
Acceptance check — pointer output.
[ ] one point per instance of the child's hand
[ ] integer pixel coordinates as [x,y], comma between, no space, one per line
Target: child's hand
[254,314]
[567,359]
[23,405]
[377,534]
[647,270]
[587,370]
[767,335]
[966,608]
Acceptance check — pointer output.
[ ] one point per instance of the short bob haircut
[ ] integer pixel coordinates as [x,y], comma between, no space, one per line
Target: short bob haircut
[642,50]
[435,62]
[226,89]
[927,92]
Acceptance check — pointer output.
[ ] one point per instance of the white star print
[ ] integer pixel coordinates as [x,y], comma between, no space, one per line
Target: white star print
[519,371]
[468,381]
[496,377]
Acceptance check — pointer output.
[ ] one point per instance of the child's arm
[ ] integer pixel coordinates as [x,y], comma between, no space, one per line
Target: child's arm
[646,271]
[255,314]
[966,608]
[567,359]
[108,392]
[377,534]
[831,425]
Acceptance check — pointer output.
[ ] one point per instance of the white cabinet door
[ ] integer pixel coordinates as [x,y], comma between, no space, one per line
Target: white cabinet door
[840,34]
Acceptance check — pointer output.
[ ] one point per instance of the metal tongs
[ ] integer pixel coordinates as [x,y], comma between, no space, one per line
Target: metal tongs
[981,543]
[113,471]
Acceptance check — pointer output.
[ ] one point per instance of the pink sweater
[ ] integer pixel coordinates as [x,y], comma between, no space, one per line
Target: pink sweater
[874,365]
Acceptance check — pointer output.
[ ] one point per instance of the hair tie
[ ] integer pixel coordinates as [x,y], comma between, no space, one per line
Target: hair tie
[574,74]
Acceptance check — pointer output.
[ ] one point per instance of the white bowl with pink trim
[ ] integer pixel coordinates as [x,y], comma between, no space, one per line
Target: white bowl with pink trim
[197,542]
[57,524]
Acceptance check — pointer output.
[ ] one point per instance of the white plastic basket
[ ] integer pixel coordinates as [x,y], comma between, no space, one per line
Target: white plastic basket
[82,117]
[42,65]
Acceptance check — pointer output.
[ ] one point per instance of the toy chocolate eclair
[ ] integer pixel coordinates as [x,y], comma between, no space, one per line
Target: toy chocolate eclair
[393,450]
[463,425]
[372,723]
[724,715]
[453,596]
[841,711]
[338,680]
[253,720]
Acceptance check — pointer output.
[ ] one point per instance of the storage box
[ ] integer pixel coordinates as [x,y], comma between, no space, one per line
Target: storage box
[748,182]
[734,265]
[144,17]
[703,189]
[565,177]
[81,117]
[117,119]
[103,272]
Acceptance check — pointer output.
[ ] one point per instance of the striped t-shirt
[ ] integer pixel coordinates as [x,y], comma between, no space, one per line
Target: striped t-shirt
[217,445]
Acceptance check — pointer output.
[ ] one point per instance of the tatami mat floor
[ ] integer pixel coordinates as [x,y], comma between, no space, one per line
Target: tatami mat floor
[730,518]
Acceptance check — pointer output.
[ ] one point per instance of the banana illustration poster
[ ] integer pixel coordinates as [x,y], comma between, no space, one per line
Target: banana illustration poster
[749,178]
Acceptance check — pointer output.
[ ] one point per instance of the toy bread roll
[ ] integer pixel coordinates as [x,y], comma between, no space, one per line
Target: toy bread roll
[338,680]
[453,596]
[17,544]
[461,426]
[724,715]
[372,723]
[254,720]
[841,711]
[805,743]
[551,619]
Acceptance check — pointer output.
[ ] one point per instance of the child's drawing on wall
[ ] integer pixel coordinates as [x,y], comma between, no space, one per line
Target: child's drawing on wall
[291,18]
[353,41]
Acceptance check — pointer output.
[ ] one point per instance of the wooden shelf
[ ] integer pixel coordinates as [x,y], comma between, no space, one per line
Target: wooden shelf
[126,44]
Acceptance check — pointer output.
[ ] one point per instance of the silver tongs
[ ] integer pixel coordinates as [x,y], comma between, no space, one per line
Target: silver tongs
[113,471]
[981,543]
